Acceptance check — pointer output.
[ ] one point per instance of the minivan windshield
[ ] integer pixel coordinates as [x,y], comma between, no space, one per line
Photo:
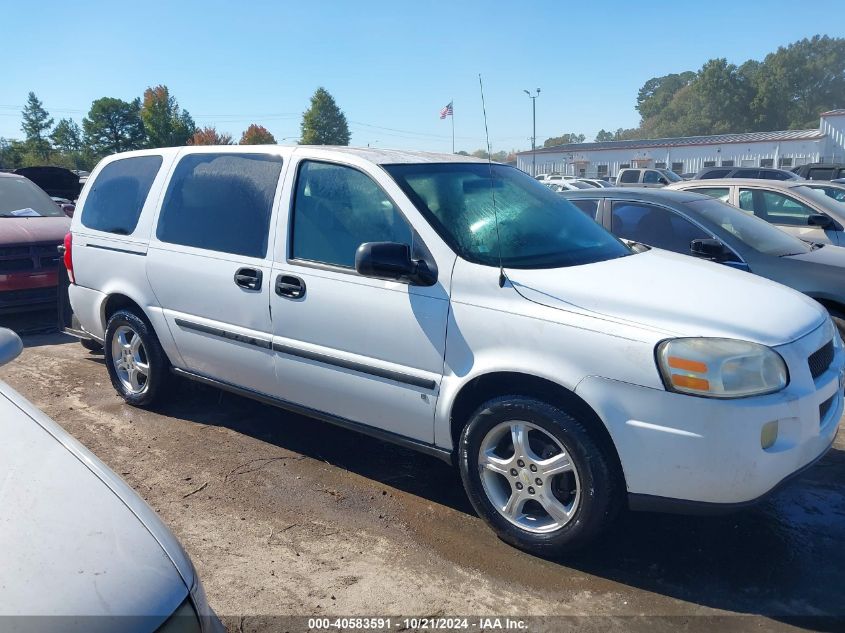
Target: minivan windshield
[756,233]
[21,198]
[537,228]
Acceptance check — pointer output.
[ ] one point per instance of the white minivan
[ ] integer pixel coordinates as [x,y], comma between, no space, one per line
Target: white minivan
[462,309]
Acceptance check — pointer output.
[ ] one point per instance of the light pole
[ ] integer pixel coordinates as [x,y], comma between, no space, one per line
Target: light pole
[534,132]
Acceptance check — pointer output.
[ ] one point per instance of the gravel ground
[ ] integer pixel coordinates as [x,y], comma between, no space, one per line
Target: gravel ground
[285,515]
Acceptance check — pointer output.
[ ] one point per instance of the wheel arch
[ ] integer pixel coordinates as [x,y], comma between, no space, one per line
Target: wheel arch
[831,305]
[490,385]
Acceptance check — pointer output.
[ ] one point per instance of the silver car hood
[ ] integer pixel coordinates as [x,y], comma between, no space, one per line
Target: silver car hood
[678,295]
[75,540]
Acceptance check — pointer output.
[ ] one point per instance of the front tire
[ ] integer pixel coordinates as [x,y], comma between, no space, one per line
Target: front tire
[537,476]
[137,365]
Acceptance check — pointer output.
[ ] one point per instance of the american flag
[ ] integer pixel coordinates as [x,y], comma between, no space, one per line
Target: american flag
[447,111]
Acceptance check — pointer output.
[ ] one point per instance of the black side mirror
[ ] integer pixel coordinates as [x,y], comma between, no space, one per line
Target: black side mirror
[708,248]
[820,220]
[663,181]
[391,260]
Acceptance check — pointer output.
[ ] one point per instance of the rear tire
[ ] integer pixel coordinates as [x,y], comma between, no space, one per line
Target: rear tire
[137,365]
[537,476]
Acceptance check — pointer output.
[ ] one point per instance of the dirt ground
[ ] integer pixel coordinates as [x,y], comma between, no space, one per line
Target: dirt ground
[285,515]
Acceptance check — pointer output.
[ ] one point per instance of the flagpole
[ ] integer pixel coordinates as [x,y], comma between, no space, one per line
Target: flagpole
[453,125]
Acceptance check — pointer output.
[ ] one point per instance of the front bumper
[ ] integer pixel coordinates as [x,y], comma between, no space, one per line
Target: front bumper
[689,454]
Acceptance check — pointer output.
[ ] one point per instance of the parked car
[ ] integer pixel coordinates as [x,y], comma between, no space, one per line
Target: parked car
[820,171]
[384,291]
[79,549]
[792,206]
[31,229]
[595,182]
[65,205]
[552,177]
[638,177]
[698,225]
[830,189]
[764,173]
[56,181]
[568,185]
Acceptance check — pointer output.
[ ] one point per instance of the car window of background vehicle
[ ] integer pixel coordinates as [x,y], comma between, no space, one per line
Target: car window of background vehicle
[21,198]
[654,226]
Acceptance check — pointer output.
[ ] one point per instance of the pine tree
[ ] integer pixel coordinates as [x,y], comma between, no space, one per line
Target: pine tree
[35,126]
[324,123]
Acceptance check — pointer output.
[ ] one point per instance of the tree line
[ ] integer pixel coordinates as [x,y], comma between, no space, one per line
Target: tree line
[786,91]
[154,120]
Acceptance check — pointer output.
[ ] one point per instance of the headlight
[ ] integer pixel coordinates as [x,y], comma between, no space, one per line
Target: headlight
[720,367]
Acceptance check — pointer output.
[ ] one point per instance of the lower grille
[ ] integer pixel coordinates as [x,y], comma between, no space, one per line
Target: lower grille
[821,359]
[825,406]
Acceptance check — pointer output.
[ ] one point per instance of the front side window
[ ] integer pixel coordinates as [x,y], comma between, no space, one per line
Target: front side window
[651,177]
[589,207]
[775,207]
[715,173]
[654,226]
[531,226]
[338,208]
[221,202]
[116,198]
[747,173]
[771,174]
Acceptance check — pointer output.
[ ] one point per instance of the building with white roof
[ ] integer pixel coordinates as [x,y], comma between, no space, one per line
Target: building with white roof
[786,149]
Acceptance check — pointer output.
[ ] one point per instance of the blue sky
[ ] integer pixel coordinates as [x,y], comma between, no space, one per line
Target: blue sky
[390,65]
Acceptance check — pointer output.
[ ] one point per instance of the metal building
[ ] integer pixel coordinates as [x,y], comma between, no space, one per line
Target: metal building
[786,149]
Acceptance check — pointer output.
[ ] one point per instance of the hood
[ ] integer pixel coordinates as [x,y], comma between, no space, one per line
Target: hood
[33,230]
[69,544]
[827,255]
[677,294]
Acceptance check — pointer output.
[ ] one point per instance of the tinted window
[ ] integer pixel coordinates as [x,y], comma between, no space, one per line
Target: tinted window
[117,196]
[221,202]
[771,174]
[837,193]
[746,173]
[589,207]
[820,173]
[715,173]
[536,228]
[632,175]
[654,226]
[651,177]
[720,193]
[337,209]
[774,207]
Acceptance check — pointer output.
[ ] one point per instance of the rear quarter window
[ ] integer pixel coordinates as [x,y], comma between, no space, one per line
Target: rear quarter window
[631,175]
[221,202]
[117,196]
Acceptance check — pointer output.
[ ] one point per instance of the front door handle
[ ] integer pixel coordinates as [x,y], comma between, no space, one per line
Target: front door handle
[290,286]
[248,278]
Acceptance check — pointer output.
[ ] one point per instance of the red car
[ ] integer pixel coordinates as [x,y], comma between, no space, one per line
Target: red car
[31,228]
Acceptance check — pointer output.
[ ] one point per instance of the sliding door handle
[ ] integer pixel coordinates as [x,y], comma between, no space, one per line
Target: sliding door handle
[290,286]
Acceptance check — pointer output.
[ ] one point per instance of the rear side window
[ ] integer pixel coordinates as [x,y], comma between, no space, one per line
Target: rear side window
[720,193]
[221,202]
[632,175]
[715,173]
[821,173]
[118,194]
